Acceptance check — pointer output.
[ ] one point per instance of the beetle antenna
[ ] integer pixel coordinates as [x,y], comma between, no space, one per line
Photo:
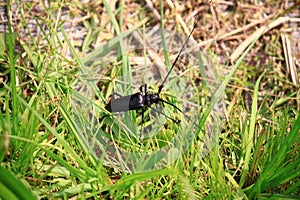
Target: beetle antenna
[161,113]
[177,57]
[163,101]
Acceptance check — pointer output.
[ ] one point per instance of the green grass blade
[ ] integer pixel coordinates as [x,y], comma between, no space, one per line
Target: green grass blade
[220,91]
[278,171]
[250,134]
[12,188]
[58,137]
[13,77]
[163,38]
[126,70]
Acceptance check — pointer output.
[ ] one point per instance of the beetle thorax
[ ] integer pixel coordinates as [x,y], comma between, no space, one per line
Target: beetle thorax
[151,99]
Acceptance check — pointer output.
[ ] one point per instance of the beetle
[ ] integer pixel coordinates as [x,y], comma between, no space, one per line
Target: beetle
[143,99]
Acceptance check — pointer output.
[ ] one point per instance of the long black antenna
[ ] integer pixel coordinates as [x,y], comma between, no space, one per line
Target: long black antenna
[177,57]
